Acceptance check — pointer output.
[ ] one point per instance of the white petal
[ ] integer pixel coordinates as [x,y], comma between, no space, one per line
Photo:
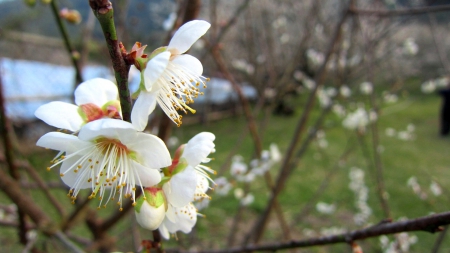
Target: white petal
[109,128]
[70,178]
[97,91]
[187,35]
[189,62]
[151,150]
[144,105]
[164,232]
[150,217]
[202,184]
[61,115]
[62,141]
[181,188]
[198,148]
[146,176]
[186,219]
[155,68]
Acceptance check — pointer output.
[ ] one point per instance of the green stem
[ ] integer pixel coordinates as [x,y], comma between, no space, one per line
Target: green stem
[104,12]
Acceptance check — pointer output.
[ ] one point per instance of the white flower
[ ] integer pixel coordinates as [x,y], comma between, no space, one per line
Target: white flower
[428,87]
[345,91]
[435,188]
[366,88]
[410,47]
[247,200]
[191,183]
[178,219]
[171,77]
[325,208]
[222,186]
[94,99]
[108,154]
[357,120]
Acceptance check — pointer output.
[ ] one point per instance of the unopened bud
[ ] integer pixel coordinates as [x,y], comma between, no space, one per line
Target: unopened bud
[150,209]
[72,16]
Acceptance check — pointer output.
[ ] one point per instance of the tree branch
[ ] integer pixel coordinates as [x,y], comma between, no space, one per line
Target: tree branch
[431,223]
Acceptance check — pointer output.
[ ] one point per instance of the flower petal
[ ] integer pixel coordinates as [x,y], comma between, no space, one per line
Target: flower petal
[146,176]
[198,148]
[187,35]
[155,68]
[61,115]
[109,128]
[164,232]
[190,63]
[97,91]
[187,217]
[61,141]
[181,188]
[150,150]
[144,105]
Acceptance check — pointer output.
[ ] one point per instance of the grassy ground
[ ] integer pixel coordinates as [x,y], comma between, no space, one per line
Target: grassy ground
[424,157]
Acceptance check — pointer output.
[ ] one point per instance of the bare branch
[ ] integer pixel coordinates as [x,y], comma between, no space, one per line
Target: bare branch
[401,12]
[431,223]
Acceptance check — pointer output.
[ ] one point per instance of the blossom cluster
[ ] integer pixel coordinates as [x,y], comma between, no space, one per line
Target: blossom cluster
[358,186]
[243,173]
[115,159]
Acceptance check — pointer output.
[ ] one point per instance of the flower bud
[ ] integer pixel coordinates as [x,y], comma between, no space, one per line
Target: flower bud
[150,209]
[72,16]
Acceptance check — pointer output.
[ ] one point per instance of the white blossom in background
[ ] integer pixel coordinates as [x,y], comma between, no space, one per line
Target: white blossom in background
[400,244]
[339,110]
[331,91]
[243,65]
[410,46]
[238,167]
[170,77]
[315,58]
[284,38]
[260,59]
[361,191]
[428,87]
[442,82]
[332,231]
[222,186]
[412,182]
[390,98]
[366,88]
[345,91]
[324,98]
[321,141]
[108,154]
[298,75]
[95,99]
[390,132]
[275,154]
[238,193]
[201,204]
[325,208]
[435,188]
[279,22]
[357,120]
[247,200]
[309,83]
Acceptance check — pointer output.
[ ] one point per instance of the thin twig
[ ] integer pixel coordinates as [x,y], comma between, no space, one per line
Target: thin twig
[70,49]
[43,186]
[401,12]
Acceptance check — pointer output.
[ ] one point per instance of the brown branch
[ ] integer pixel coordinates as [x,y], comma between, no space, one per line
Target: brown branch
[103,10]
[42,186]
[432,223]
[401,12]
[7,132]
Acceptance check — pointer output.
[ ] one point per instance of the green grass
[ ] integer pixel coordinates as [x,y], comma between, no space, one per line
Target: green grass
[424,157]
